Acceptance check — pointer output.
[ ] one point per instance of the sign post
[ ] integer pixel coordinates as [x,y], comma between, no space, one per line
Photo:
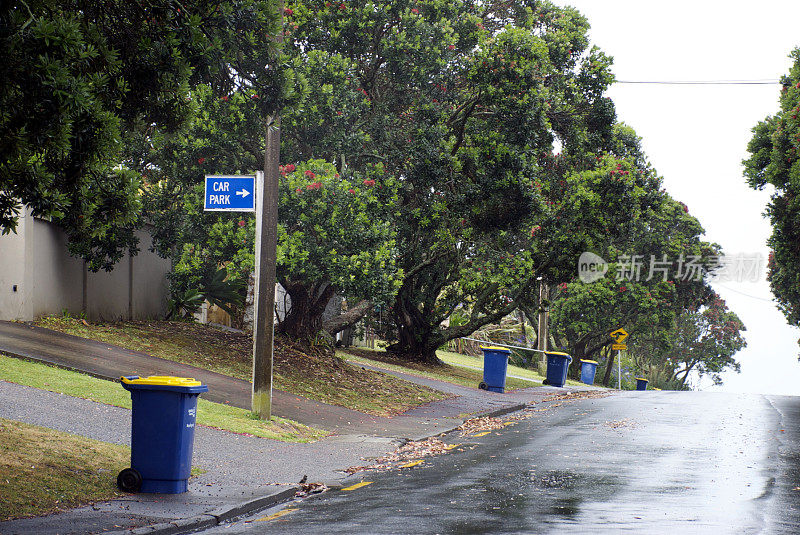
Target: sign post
[619,336]
[266,259]
[240,194]
[266,253]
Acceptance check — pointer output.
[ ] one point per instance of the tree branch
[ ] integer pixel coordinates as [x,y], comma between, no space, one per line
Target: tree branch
[348,318]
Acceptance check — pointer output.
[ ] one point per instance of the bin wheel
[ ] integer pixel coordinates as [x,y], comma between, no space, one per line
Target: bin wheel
[545,382]
[483,386]
[129,480]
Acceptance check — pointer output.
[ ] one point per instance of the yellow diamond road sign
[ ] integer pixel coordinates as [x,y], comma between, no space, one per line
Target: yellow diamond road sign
[619,335]
[619,347]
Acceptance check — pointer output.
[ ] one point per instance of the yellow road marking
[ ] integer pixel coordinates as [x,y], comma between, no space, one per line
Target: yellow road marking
[412,463]
[358,485]
[451,446]
[276,515]
[510,423]
[482,434]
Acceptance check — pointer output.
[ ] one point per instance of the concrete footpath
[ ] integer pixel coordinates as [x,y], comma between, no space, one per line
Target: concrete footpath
[242,474]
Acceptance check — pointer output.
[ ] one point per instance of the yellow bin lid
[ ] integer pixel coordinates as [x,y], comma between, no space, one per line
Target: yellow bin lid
[162,380]
[589,361]
[641,379]
[556,353]
[494,348]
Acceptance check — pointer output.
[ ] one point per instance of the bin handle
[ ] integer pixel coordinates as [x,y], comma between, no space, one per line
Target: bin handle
[128,377]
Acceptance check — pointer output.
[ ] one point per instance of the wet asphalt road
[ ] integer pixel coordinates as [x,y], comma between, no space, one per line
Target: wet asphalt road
[637,462]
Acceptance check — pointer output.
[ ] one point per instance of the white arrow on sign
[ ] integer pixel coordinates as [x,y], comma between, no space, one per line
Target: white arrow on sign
[244,193]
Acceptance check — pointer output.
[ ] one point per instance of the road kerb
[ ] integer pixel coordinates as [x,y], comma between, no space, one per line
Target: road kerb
[212,518]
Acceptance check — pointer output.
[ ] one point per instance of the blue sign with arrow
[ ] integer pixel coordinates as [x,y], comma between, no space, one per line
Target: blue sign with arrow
[230,194]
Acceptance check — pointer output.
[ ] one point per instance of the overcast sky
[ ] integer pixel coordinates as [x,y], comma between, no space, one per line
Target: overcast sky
[696,136]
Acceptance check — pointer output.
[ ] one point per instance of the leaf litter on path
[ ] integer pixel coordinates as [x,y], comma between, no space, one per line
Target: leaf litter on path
[433,446]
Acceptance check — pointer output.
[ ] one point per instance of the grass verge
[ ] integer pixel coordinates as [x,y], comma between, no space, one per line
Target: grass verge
[458,369]
[210,414]
[314,374]
[466,361]
[457,359]
[43,471]
[448,372]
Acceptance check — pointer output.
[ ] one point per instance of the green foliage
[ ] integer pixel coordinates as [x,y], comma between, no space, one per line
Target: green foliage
[647,304]
[462,103]
[185,304]
[335,229]
[701,342]
[334,233]
[775,160]
[223,292]
[77,76]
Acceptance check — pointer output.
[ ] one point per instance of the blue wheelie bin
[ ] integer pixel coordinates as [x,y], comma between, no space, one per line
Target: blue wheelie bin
[588,369]
[495,364]
[641,384]
[164,410]
[557,368]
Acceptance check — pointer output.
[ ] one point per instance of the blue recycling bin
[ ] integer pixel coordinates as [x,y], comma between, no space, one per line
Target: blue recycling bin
[495,364]
[588,370]
[641,384]
[163,415]
[557,368]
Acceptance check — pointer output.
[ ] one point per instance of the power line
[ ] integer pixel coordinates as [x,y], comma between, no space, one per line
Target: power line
[701,82]
[743,293]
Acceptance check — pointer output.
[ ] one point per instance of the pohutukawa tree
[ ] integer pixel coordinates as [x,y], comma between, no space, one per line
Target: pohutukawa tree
[334,229]
[775,160]
[465,103]
[662,279]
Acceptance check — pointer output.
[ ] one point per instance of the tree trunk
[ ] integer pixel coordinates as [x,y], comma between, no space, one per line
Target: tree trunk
[522,331]
[303,320]
[347,319]
[419,332]
[578,352]
[609,367]
[416,341]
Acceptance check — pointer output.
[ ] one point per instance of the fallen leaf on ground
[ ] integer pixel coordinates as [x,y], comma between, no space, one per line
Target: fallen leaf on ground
[618,424]
[307,489]
[407,452]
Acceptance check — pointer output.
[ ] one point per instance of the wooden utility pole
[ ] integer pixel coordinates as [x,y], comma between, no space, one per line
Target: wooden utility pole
[266,259]
[542,331]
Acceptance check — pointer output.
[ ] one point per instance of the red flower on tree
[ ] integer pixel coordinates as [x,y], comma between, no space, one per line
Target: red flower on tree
[310,174]
[201,160]
[369,182]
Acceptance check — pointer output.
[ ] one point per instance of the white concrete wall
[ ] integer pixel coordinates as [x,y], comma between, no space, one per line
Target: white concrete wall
[14,278]
[107,293]
[56,278]
[150,284]
[50,281]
